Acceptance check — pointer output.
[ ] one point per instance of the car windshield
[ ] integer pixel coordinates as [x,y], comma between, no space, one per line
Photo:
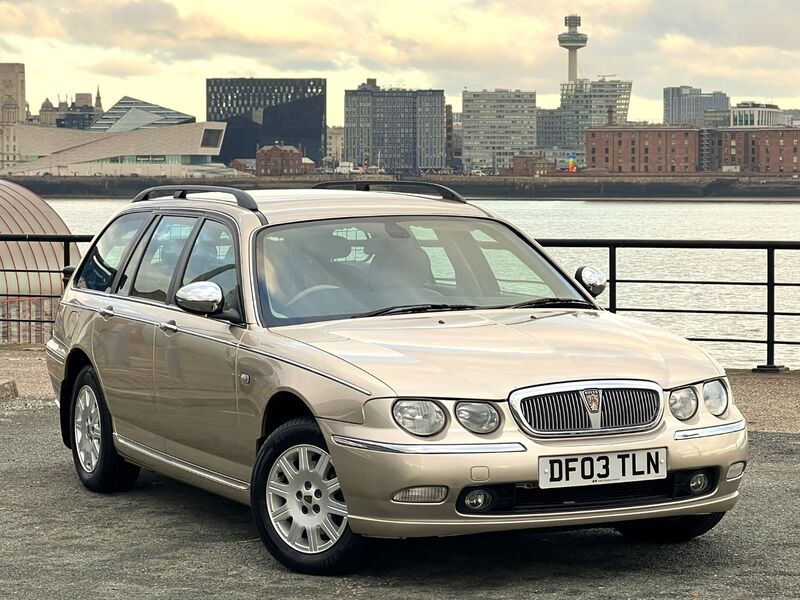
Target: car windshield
[345,268]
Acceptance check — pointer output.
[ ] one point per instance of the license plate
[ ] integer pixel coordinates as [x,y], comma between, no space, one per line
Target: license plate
[604,467]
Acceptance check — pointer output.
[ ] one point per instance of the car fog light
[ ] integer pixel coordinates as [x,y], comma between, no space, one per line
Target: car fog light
[683,403]
[478,500]
[735,470]
[424,494]
[478,417]
[699,482]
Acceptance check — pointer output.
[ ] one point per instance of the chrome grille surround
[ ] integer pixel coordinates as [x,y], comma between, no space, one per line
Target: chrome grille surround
[559,410]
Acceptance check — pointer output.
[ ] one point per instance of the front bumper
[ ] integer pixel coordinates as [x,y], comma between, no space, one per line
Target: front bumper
[370,473]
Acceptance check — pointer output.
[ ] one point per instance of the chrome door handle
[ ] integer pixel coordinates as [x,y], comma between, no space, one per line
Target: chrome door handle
[106,312]
[168,326]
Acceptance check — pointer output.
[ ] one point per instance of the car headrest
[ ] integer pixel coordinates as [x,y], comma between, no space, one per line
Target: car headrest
[323,246]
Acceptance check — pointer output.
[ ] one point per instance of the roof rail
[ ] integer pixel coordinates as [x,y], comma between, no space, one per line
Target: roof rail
[366,185]
[243,199]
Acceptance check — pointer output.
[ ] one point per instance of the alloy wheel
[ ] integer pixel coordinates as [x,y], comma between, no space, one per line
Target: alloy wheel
[304,499]
[87,428]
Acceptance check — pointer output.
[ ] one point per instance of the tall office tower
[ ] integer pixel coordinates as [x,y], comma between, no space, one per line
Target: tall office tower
[497,126]
[262,112]
[572,41]
[686,105]
[12,93]
[395,129]
[594,102]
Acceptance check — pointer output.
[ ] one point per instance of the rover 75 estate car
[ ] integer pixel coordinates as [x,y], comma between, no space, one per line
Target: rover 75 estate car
[369,360]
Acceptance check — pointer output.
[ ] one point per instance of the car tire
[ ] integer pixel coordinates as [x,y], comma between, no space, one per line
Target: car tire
[295,487]
[671,530]
[99,466]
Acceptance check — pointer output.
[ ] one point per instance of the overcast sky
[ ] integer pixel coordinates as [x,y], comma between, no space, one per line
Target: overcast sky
[162,50]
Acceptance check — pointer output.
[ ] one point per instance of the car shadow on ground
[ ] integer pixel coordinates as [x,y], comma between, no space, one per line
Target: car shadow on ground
[554,555]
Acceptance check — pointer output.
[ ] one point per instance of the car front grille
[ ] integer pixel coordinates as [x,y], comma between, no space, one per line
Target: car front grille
[567,412]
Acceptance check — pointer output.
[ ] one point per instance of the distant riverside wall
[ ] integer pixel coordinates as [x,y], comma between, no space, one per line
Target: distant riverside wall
[560,186]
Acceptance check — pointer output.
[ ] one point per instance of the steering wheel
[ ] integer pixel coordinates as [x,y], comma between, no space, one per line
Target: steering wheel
[312,290]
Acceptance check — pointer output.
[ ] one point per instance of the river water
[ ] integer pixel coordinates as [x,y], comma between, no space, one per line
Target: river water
[653,219]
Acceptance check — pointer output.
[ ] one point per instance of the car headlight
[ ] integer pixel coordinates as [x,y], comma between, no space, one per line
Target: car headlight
[715,395]
[420,417]
[683,403]
[478,417]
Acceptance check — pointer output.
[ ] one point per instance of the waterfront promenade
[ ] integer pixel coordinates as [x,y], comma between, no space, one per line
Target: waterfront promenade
[168,540]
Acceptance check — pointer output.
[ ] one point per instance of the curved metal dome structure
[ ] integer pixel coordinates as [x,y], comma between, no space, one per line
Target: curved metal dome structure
[30,279]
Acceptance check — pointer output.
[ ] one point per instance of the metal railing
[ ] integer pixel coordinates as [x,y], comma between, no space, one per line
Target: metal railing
[17,297]
[611,246]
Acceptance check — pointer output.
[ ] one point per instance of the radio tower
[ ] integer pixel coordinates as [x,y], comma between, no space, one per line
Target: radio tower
[572,41]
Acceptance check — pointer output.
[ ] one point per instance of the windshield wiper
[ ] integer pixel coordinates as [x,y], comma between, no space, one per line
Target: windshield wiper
[556,302]
[414,308]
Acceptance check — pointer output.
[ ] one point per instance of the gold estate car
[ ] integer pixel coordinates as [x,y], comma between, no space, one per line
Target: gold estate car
[355,363]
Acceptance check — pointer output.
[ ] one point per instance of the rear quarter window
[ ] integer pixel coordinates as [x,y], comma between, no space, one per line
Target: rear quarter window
[101,265]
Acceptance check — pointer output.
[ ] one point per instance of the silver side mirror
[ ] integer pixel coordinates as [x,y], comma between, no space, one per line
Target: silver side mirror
[592,279]
[201,297]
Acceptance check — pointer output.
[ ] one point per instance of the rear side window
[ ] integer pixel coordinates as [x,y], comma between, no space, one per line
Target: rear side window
[161,257]
[101,264]
[213,258]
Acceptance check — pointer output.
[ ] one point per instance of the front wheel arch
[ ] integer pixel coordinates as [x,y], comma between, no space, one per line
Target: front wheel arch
[282,407]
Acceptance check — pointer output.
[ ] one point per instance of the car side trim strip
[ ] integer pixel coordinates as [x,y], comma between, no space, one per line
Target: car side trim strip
[429,448]
[243,347]
[701,432]
[182,464]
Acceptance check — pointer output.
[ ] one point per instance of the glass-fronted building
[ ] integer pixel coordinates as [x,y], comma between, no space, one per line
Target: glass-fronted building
[262,112]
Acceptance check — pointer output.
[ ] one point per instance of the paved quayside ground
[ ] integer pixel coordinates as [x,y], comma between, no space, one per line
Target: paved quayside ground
[168,540]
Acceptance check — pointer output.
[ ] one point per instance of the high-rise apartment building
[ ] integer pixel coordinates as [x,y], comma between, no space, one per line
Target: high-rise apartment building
[394,129]
[263,112]
[13,108]
[686,105]
[497,126]
[593,103]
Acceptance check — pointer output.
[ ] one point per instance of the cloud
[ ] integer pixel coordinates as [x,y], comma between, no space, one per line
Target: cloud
[745,48]
[123,67]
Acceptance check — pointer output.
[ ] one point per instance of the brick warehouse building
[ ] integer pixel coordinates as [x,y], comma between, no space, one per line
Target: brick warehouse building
[282,160]
[755,150]
[645,149]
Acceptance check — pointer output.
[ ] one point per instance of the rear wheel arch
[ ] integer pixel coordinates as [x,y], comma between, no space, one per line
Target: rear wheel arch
[76,361]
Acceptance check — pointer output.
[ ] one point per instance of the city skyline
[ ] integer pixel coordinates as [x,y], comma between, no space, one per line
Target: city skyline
[164,51]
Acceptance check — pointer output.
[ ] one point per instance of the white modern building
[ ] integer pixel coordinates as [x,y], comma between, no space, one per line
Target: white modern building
[184,151]
[497,126]
[754,114]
